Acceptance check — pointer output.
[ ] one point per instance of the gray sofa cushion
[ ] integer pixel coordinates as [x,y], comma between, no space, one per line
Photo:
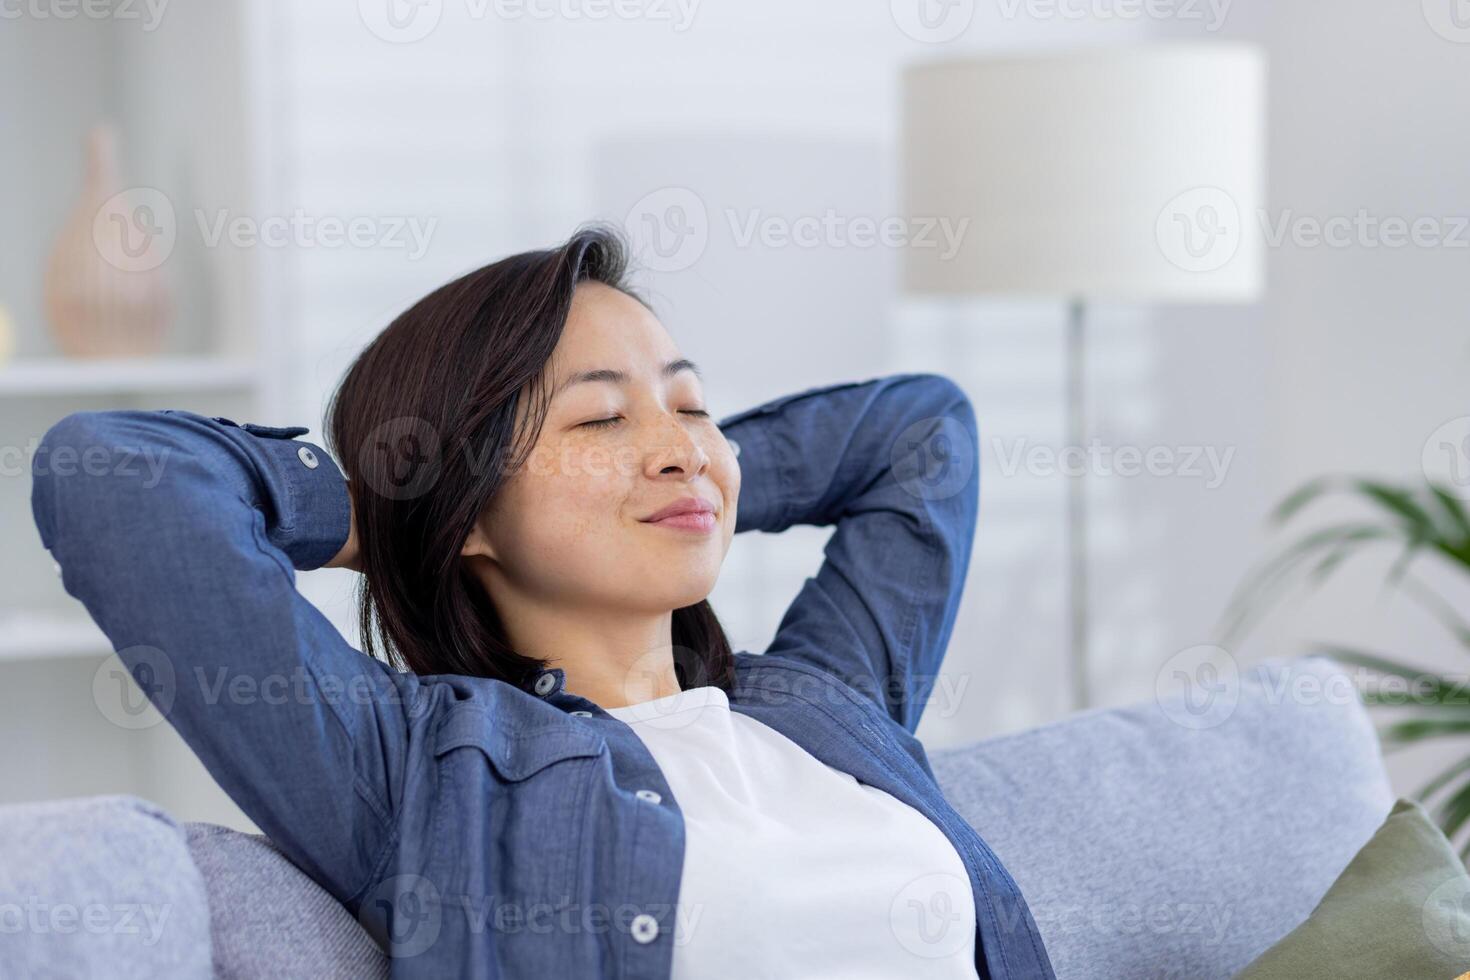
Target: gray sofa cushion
[100,886]
[1155,842]
[1150,842]
[270,919]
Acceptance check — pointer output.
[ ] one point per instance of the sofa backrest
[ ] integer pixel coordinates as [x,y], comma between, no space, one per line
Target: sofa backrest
[1158,839]
[269,919]
[100,886]
[1183,836]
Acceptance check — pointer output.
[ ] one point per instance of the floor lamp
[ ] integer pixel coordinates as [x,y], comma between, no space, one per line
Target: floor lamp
[1131,175]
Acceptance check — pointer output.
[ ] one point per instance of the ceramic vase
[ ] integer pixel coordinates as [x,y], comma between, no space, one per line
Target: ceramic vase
[106,290]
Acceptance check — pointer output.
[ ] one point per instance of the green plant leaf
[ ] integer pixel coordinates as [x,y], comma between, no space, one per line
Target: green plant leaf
[1300,497]
[1261,588]
[1443,779]
[1425,688]
[1456,519]
[1454,811]
[1401,564]
[1414,730]
[1439,608]
[1399,502]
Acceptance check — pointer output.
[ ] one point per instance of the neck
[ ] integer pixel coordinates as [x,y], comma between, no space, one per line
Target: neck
[613,658]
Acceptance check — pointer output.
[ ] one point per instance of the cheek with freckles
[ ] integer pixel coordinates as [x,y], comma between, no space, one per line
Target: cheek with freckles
[572,500]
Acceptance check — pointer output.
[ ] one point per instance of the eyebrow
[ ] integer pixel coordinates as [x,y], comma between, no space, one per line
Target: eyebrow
[619,377]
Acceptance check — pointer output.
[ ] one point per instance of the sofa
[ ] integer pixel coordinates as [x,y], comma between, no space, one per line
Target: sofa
[1149,844]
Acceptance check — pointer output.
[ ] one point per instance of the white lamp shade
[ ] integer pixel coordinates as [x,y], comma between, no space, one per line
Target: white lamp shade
[1133,174]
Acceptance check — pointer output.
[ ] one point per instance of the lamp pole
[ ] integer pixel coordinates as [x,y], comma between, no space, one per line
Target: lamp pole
[1077,506]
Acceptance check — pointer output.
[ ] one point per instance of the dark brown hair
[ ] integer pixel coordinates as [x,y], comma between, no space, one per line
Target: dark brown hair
[424,425]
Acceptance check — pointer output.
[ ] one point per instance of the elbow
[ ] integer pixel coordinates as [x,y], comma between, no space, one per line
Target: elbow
[946,400]
[951,478]
[952,401]
[68,464]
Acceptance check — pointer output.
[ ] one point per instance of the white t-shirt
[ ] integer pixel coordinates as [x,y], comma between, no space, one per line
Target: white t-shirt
[793,868]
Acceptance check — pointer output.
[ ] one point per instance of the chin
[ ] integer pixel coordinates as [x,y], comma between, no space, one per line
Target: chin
[692,590]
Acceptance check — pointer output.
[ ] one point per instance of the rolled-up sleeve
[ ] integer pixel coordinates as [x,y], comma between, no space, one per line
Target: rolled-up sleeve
[892,462]
[181,535]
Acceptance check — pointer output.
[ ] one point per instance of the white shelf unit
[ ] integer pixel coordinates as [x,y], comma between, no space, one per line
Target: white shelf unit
[40,636]
[60,377]
[196,108]
[207,146]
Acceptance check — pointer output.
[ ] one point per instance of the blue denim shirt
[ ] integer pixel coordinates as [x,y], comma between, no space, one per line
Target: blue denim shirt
[481,829]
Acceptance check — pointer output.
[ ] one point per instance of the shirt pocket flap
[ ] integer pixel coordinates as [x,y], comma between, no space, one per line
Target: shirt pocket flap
[517,755]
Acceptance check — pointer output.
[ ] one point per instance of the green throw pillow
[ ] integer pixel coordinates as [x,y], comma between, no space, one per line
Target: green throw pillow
[1401,910]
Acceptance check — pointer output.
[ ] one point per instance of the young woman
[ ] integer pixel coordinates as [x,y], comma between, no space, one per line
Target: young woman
[558,767]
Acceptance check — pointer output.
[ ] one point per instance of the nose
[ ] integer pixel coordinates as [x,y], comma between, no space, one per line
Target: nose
[676,451]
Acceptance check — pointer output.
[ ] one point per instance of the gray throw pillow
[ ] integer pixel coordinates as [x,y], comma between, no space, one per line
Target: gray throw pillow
[270,919]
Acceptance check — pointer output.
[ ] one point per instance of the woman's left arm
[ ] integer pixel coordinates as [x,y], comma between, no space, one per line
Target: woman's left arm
[893,463]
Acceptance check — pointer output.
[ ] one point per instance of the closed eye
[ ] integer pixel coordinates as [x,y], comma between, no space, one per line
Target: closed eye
[614,420]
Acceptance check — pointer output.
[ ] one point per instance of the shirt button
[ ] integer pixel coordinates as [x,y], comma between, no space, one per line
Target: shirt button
[307,456]
[645,928]
[734,447]
[582,714]
[545,683]
[649,795]
[56,565]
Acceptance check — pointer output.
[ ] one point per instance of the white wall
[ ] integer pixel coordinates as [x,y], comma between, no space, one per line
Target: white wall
[1328,372]
[506,134]
[1367,352]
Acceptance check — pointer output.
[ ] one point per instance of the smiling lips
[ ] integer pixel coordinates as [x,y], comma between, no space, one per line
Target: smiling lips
[685,514]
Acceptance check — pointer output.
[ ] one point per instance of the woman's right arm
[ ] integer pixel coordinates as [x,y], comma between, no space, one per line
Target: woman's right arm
[181,534]
[349,556]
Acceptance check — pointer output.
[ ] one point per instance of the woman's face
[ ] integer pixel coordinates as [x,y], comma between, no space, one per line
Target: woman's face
[570,526]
